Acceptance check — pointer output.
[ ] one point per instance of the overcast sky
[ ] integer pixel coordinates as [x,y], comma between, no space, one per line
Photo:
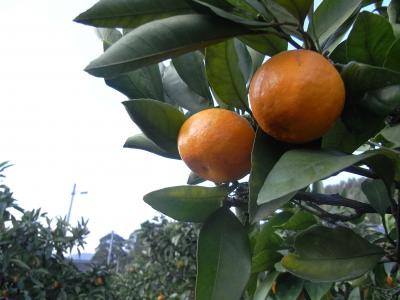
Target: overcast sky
[60,126]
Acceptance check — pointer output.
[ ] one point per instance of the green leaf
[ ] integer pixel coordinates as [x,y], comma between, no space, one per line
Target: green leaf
[191,69]
[162,39]
[370,39]
[265,286]
[383,101]
[224,74]
[392,134]
[223,258]
[288,287]
[268,44]
[320,256]
[377,195]
[187,203]
[339,138]
[19,263]
[108,35]
[392,60]
[159,121]
[298,8]
[142,83]
[329,16]
[266,152]
[194,179]
[394,16]
[142,142]
[360,78]
[296,169]
[300,221]
[177,92]
[264,260]
[131,13]
[317,290]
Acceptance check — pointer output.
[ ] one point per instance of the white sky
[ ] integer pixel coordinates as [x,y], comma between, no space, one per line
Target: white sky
[60,126]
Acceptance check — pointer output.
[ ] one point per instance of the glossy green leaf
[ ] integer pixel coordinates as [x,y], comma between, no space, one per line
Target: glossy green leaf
[159,121]
[265,286]
[187,203]
[297,169]
[320,256]
[298,8]
[339,138]
[177,92]
[142,83]
[317,290]
[300,221]
[392,60]
[224,74]
[162,39]
[288,287]
[370,39]
[191,69]
[360,78]
[108,35]
[329,16]
[142,142]
[392,134]
[394,16]
[266,152]
[265,260]
[223,258]
[377,195]
[268,44]
[382,101]
[257,60]
[131,13]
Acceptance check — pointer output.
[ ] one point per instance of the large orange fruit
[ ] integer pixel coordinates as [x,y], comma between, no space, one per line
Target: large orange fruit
[296,96]
[216,144]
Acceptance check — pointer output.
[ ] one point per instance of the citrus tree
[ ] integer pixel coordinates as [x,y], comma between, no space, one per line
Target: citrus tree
[319,83]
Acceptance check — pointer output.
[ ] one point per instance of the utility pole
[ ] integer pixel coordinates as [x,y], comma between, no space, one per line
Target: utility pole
[72,201]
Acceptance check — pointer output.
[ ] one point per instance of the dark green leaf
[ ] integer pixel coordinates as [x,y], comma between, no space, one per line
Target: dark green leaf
[298,8]
[297,169]
[223,258]
[268,44]
[317,290]
[162,39]
[394,16]
[224,74]
[264,260]
[392,134]
[191,69]
[257,59]
[377,195]
[194,179]
[329,16]
[142,83]
[360,78]
[266,152]
[321,257]
[392,60]
[265,286]
[300,221]
[288,287]
[370,39]
[140,141]
[383,101]
[159,121]
[187,203]
[131,13]
[20,264]
[177,92]
[339,138]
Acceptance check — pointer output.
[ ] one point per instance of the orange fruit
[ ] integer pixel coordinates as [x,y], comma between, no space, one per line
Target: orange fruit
[296,96]
[216,144]
[161,297]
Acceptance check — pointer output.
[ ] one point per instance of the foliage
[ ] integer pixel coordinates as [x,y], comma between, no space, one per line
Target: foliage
[111,250]
[215,46]
[32,255]
[161,260]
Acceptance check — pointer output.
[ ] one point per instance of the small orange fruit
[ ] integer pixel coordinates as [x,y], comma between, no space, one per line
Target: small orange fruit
[296,96]
[161,297]
[216,144]
[99,281]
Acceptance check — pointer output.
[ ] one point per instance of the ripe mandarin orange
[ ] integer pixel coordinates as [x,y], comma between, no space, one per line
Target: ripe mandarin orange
[161,297]
[296,96]
[216,144]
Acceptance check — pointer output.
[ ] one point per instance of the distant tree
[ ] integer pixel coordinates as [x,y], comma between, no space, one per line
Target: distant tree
[110,256]
[32,255]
